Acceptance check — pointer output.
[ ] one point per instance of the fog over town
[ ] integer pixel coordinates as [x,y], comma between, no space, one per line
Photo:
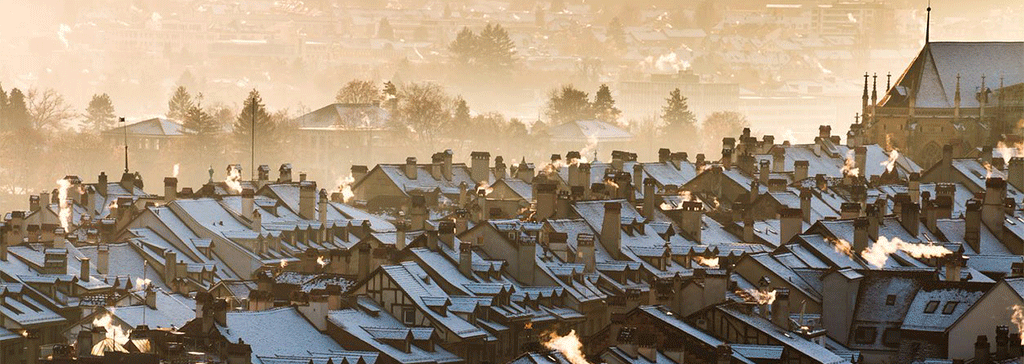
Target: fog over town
[511,181]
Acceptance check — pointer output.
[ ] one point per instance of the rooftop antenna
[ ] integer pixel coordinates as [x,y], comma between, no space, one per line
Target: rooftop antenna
[125,127]
[928,23]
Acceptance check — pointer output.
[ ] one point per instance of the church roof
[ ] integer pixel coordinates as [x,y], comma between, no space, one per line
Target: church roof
[933,74]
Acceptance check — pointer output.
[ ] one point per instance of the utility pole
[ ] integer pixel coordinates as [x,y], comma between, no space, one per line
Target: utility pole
[125,126]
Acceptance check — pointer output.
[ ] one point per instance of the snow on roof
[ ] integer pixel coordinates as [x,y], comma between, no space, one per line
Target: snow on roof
[339,116]
[298,337]
[171,310]
[375,325]
[923,317]
[936,68]
[417,284]
[150,127]
[804,347]
[585,131]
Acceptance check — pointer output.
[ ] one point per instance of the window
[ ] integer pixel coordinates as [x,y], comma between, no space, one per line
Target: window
[409,316]
[891,337]
[890,300]
[949,307]
[931,306]
[865,335]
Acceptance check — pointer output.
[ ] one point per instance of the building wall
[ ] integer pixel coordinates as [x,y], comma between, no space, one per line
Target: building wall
[995,308]
[379,191]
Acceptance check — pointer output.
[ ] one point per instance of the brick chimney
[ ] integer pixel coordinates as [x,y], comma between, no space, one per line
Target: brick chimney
[992,212]
[849,210]
[262,175]
[101,184]
[401,226]
[700,162]
[307,200]
[805,204]
[150,297]
[790,224]
[585,248]
[910,217]
[953,263]
[780,309]
[664,155]
[103,259]
[526,259]
[611,229]
[4,235]
[914,187]
[860,235]
[800,168]
[33,203]
[764,169]
[83,272]
[1002,341]
[825,132]
[466,258]
[946,169]
[981,350]
[170,189]
[525,171]
[500,169]
[562,205]
[446,233]
[418,212]
[248,203]
[650,199]
[692,213]
[285,173]
[778,160]
[972,225]
[481,165]
[170,265]
[861,157]
[545,200]
[410,168]
[322,206]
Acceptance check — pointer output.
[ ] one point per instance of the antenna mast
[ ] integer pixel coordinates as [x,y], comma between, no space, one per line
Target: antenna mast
[252,145]
[125,126]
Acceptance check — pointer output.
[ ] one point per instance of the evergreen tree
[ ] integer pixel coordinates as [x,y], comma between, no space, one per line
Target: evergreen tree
[604,105]
[254,114]
[179,104]
[17,117]
[497,49]
[616,34]
[3,109]
[461,117]
[100,114]
[384,30]
[678,118]
[464,49]
[202,130]
[569,104]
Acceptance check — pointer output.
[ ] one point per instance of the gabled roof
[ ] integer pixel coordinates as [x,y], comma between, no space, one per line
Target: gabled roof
[938,320]
[586,131]
[155,127]
[373,325]
[339,116]
[810,349]
[297,336]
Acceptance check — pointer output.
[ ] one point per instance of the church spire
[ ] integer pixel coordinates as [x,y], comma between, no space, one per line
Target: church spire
[928,23]
[888,82]
[864,99]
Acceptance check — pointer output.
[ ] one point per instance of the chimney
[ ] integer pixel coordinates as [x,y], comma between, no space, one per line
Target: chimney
[563,205]
[545,200]
[1014,349]
[700,163]
[248,204]
[780,309]
[285,173]
[4,235]
[914,187]
[585,249]
[805,204]
[825,132]
[83,273]
[481,200]
[800,168]
[302,176]
[358,172]
[860,234]
[480,167]
[466,258]
[992,213]
[981,353]
[33,203]
[84,343]
[611,229]
[322,207]
[500,169]
[128,181]
[32,341]
[874,221]
[307,200]
[776,185]
[953,264]
[446,233]
[849,210]
[972,225]
[790,224]
[692,211]
[170,189]
[257,222]
[910,218]
[716,284]
[150,297]
[748,224]
[778,160]
[664,155]
[861,157]
[170,265]
[650,199]
[411,168]
[820,182]
[103,259]
[526,259]
[524,171]
[1015,173]
[1002,342]
[763,171]
[101,184]
[262,175]
[418,212]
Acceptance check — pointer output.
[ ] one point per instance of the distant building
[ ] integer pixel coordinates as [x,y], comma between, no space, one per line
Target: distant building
[953,93]
[336,134]
[592,135]
[645,98]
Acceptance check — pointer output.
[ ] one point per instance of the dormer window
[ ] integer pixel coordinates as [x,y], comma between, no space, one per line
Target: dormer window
[931,306]
[949,307]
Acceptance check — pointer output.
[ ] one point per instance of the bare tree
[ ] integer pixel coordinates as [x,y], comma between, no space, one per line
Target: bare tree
[48,110]
[426,110]
[359,92]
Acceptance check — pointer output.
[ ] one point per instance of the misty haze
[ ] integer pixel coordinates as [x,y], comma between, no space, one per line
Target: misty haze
[511,181]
